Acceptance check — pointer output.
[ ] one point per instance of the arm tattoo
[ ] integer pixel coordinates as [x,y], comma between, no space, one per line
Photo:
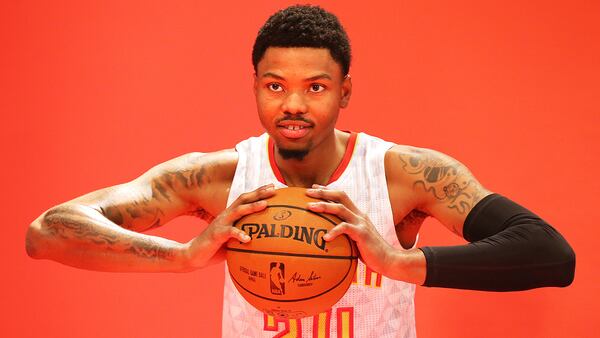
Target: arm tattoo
[67,224]
[146,213]
[414,218]
[446,180]
[147,248]
[201,213]
[408,227]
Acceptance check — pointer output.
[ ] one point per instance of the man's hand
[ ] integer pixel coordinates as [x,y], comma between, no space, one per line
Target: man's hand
[375,251]
[209,247]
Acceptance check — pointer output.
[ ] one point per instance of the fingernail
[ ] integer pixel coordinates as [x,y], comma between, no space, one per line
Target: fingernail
[311,191]
[327,237]
[247,238]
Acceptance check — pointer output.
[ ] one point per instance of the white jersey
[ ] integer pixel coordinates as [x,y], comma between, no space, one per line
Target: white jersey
[374,306]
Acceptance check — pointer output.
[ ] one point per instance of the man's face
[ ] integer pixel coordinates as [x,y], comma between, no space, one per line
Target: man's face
[299,92]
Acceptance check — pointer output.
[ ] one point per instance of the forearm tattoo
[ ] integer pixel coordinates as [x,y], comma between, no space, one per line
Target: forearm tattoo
[69,224]
[447,180]
[149,249]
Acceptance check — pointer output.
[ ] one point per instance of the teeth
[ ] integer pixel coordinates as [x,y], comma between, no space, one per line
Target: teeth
[294,127]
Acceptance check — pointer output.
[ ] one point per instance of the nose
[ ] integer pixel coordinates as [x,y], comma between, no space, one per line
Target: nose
[294,104]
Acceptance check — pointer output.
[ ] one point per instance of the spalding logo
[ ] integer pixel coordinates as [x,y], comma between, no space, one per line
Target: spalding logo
[308,235]
[282,215]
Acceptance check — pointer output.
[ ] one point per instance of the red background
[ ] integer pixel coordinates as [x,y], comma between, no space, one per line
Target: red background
[94,93]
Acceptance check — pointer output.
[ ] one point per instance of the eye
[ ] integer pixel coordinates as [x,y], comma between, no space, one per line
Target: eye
[316,88]
[276,87]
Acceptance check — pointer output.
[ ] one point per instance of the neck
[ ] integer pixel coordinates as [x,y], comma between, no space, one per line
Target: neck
[318,165]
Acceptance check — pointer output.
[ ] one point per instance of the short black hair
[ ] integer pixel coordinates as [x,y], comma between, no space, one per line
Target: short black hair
[304,26]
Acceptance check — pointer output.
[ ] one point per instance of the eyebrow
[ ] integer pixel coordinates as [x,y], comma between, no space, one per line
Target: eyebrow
[312,78]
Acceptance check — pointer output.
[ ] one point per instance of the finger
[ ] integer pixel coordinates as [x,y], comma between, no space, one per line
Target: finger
[240,211]
[239,235]
[340,229]
[334,196]
[224,233]
[263,192]
[337,209]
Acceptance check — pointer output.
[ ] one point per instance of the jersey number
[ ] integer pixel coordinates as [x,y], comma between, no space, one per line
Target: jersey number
[292,328]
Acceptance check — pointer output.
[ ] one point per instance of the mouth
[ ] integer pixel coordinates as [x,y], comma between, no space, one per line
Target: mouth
[293,129]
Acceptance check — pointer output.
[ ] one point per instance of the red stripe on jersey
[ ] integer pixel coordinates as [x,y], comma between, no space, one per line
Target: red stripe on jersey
[324,329]
[349,331]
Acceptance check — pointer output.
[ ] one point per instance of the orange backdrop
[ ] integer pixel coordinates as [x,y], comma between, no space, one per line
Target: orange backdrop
[93,93]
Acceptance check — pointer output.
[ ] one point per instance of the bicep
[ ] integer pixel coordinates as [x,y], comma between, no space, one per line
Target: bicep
[151,200]
[443,187]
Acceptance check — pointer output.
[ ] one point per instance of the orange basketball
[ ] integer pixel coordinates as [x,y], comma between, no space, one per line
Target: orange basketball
[287,270]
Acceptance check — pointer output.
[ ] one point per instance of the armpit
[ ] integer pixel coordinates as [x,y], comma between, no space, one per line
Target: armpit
[408,228]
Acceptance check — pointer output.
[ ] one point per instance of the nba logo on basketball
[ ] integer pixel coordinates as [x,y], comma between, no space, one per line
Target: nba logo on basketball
[277,273]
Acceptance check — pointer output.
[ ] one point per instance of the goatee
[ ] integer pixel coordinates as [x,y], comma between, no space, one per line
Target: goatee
[293,154]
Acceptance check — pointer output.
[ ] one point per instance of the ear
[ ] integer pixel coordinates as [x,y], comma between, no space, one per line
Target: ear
[346,91]
[255,84]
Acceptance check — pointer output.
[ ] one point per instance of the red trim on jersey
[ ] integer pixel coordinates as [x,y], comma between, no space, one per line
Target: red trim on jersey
[368,279]
[272,161]
[327,324]
[345,160]
[267,327]
[340,330]
[336,174]
[287,326]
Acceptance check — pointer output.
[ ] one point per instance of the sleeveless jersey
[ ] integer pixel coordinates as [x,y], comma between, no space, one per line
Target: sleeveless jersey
[374,306]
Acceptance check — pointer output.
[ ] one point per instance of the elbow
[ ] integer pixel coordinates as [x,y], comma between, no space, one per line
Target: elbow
[33,240]
[558,257]
[44,233]
[552,258]
[566,274]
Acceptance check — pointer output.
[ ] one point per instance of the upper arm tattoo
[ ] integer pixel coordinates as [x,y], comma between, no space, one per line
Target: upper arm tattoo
[447,180]
[148,211]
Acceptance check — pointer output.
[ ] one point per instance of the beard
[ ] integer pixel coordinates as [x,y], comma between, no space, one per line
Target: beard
[293,154]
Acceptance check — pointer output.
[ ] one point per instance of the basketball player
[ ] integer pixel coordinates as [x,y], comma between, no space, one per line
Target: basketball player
[277,280]
[382,191]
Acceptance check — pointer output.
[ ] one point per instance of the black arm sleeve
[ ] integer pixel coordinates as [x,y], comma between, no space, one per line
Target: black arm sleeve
[511,249]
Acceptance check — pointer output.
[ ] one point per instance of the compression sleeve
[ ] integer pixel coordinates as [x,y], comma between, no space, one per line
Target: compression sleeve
[511,249]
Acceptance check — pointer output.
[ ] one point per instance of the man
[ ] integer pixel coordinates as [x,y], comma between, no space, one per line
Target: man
[380,190]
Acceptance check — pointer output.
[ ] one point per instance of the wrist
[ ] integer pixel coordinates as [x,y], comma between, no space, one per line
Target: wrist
[183,261]
[406,265]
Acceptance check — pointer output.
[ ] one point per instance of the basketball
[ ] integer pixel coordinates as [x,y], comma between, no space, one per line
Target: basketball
[287,270]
